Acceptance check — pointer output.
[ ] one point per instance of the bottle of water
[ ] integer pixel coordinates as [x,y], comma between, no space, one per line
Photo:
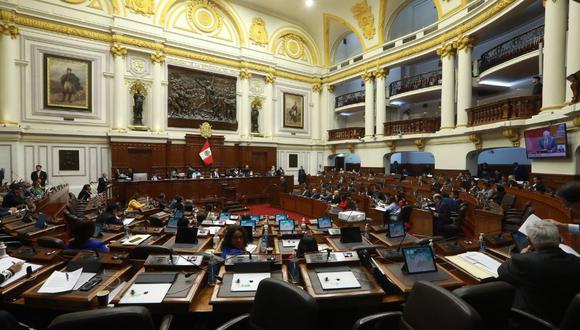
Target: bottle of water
[303,225]
[212,271]
[265,238]
[481,243]
[216,240]
[126,230]
[431,246]
[2,250]
[293,268]
[367,234]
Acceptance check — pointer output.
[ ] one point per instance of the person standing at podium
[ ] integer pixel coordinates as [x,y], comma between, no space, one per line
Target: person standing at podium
[102,185]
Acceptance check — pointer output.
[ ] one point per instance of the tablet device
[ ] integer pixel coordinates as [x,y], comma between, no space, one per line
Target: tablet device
[350,235]
[286,225]
[248,223]
[520,239]
[324,223]
[280,217]
[224,216]
[419,259]
[186,235]
[396,229]
[255,218]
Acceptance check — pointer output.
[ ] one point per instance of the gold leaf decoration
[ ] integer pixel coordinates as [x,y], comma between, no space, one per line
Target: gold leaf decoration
[366,21]
[258,33]
[143,7]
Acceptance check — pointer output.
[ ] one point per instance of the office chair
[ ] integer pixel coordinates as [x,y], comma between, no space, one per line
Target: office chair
[493,302]
[269,312]
[454,228]
[405,213]
[50,242]
[132,317]
[570,321]
[142,252]
[427,307]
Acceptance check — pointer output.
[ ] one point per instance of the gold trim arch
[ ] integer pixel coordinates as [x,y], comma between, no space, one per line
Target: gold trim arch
[340,20]
[308,42]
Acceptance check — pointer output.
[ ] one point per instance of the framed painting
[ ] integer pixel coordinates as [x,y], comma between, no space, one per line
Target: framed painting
[67,83]
[293,160]
[293,111]
[68,160]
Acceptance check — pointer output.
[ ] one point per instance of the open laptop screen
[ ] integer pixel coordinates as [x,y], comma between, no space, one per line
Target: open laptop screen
[280,217]
[248,223]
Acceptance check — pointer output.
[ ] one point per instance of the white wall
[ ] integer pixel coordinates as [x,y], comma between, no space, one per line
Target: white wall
[349,46]
[417,14]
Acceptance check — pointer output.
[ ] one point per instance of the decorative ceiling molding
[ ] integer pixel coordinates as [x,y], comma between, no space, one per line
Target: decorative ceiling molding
[363,14]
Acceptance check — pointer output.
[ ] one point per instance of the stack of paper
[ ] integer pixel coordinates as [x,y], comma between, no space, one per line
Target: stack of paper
[9,261]
[532,219]
[477,264]
[61,281]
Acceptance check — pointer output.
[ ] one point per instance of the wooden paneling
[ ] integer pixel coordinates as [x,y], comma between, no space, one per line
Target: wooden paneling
[554,181]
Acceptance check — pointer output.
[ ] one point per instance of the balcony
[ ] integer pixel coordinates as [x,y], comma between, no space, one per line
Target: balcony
[349,133]
[350,98]
[424,80]
[413,126]
[524,43]
[509,109]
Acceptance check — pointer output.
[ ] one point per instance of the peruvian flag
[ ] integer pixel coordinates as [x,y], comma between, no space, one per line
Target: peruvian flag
[205,154]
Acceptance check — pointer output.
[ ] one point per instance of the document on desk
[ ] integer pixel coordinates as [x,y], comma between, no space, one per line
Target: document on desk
[61,281]
[84,278]
[9,261]
[247,282]
[251,248]
[477,264]
[135,239]
[213,230]
[149,293]
[530,220]
[128,221]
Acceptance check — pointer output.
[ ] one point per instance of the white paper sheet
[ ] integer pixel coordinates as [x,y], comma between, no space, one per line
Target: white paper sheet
[84,278]
[247,282]
[323,247]
[231,222]
[569,250]
[479,259]
[251,248]
[338,280]
[58,281]
[128,221]
[213,230]
[530,220]
[290,242]
[9,261]
[187,260]
[150,293]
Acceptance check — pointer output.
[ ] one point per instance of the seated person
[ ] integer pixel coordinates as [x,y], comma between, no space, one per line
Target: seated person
[442,213]
[307,193]
[176,200]
[456,201]
[109,217]
[538,185]
[325,196]
[335,197]
[487,192]
[161,203]
[82,232]
[134,206]
[546,278]
[235,241]
[392,208]
[14,197]
[85,193]
[36,189]
[307,244]
[314,194]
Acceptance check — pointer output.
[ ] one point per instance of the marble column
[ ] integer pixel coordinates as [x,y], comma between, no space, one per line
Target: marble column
[447,53]
[464,46]
[120,112]
[268,111]
[246,121]
[573,57]
[316,117]
[157,120]
[554,79]
[369,80]
[9,70]
[380,77]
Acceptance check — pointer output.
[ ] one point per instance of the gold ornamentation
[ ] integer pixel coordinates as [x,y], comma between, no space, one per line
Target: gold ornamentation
[205,15]
[476,139]
[317,88]
[333,149]
[293,46]
[392,145]
[351,147]
[143,7]
[447,49]
[245,74]
[331,88]
[258,33]
[8,26]
[96,4]
[366,21]
[257,102]
[367,76]
[118,50]
[158,57]
[270,79]
[205,130]
[576,121]
[420,143]
[139,86]
[512,134]
[381,73]
[464,42]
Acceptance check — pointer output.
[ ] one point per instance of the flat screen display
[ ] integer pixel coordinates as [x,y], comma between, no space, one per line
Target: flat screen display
[280,217]
[419,259]
[248,223]
[324,223]
[286,225]
[547,142]
[255,218]
[396,229]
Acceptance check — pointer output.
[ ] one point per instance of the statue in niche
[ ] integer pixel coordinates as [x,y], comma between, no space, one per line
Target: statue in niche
[256,106]
[138,99]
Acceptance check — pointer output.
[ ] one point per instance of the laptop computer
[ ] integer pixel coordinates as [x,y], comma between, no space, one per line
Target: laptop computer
[396,229]
[325,225]
[521,240]
[418,260]
[248,223]
[286,226]
[186,238]
[350,235]
[255,218]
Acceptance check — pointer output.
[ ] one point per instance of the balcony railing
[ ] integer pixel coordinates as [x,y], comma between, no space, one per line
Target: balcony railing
[413,126]
[346,133]
[509,109]
[517,46]
[350,98]
[423,80]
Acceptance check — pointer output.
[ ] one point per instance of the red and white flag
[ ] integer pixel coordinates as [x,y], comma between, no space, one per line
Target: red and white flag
[205,154]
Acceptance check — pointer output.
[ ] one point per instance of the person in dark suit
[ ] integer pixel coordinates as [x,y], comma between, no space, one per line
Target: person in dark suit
[314,194]
[569,193]
[301,175]
[283,184]
[443,208]
[130,173]
[548,142]
[538,185]
[537,86]
[547,278]
[39,175]
[519,172]
[109,216]
[14,197]
[85,194]
[102,185]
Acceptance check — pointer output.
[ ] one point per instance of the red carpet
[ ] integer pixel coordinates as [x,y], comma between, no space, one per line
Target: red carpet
[265,209]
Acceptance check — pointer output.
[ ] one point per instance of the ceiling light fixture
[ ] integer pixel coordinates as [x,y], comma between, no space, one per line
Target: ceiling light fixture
[309,3]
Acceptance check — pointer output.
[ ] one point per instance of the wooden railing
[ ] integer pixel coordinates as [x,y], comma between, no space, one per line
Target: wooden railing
[509,109]
[346,133]
[519,45]
[423,80]
[350,98]
[412,126]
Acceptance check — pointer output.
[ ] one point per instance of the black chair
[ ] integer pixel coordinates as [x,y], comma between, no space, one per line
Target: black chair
[142,252]
[133,317]
[570,321]
[269,309]
[50,242]
[405,213]
[454,228]
[428,307]
[493,302]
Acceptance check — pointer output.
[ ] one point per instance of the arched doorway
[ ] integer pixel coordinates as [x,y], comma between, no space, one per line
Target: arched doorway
[498,161]
[345,161]
[409,162]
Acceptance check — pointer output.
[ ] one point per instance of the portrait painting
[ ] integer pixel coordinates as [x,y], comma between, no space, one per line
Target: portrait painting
[67,83]
[293,110]
[68,160]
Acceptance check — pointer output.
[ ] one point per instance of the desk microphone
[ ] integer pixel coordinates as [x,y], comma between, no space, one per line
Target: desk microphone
[248,253]
[171,256]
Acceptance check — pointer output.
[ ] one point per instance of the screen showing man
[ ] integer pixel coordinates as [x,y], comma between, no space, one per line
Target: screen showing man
[546,142]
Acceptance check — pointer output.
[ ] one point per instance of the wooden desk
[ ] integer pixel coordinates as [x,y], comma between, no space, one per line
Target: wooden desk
[394,242]
[308,207]
[422,222]
[406,284]
[152,240]
[14,289]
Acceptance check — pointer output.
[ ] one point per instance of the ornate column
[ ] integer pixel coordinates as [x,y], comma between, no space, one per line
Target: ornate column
[369,79]
[554,79]
[447,52]
[380,76]
[157,120]
[9,71]
[464,46]
[269,106]
[246,121]
[573,64]
[119,118]
[333,122]
[316,117]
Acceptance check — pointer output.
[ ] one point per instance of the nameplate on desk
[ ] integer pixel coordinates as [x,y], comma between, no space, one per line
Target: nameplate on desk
[247,282]
[290,242]
[255,258]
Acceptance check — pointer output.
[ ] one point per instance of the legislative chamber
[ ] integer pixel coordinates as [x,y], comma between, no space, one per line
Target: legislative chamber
[283,165]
